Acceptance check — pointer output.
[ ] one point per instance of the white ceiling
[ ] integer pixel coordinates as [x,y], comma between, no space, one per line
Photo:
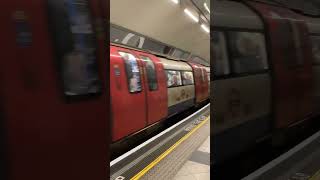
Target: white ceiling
[164,21]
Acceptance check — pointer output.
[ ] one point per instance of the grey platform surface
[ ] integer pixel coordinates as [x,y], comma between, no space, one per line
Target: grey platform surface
[137,161]
[299,163]
[170,165]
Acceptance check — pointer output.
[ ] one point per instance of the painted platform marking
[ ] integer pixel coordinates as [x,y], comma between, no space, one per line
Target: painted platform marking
[168,151]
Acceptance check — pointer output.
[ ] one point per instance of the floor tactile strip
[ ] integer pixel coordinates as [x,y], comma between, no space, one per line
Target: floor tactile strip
[170,165]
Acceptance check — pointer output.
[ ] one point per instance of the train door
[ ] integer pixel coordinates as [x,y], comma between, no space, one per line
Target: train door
[197,73]
[53,89]
[155,87]
[128,96]
[291,64]
[208,72]
[204,83]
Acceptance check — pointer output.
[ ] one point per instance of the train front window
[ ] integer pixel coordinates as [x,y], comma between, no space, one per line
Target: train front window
[220,57]
[151,73]
[187,78]
[75,44]
[173,78]
[133,72]
[248,52]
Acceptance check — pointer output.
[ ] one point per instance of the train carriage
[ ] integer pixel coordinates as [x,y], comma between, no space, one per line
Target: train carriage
[138,91]
[262,75]
[240,65]
[150,88]
[314,35]
[53,90]
[201,83]
[180,83]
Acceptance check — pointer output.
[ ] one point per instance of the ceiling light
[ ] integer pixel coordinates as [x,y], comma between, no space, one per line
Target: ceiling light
[205,28]
[191,15]
[206,6]
[175,1]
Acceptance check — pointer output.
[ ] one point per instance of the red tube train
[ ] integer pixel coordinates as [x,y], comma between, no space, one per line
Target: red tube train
[266,74]
[146,89]
[53,94]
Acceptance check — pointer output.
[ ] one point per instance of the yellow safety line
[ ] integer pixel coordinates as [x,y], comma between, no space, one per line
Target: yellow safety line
[315,175]
[168,151]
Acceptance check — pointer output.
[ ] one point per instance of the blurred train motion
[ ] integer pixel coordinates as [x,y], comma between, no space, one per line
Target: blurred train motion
[147,88]
[266,74]
[54,110]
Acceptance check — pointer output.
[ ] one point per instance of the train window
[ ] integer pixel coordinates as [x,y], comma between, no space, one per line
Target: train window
[187,77]
[75,45]
[173,78]
[151,73]
[316,49]
[220,57]
[248,52]
[133,72]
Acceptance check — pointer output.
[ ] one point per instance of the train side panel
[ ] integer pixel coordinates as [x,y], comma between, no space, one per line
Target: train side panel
[239,67]
[208,77]
[314,35]
[54,129]
[240,109]
[205,84]
[197,79]
[291,63]
[180,99]
[201,82]
[180,86]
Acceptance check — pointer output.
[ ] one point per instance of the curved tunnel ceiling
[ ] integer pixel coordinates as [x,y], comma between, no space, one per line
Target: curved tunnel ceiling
[162,20]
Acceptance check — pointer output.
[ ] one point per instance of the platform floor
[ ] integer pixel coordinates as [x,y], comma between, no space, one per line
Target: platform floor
[185,154]
[300,163]
[307,167]
[185,144]
[197,166]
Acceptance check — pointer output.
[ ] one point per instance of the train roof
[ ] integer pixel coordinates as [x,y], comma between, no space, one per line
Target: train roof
[168,61]
[235,15]
[175,65]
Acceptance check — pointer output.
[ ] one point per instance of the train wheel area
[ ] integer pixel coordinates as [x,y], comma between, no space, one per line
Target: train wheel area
[300,162]
[180,151]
